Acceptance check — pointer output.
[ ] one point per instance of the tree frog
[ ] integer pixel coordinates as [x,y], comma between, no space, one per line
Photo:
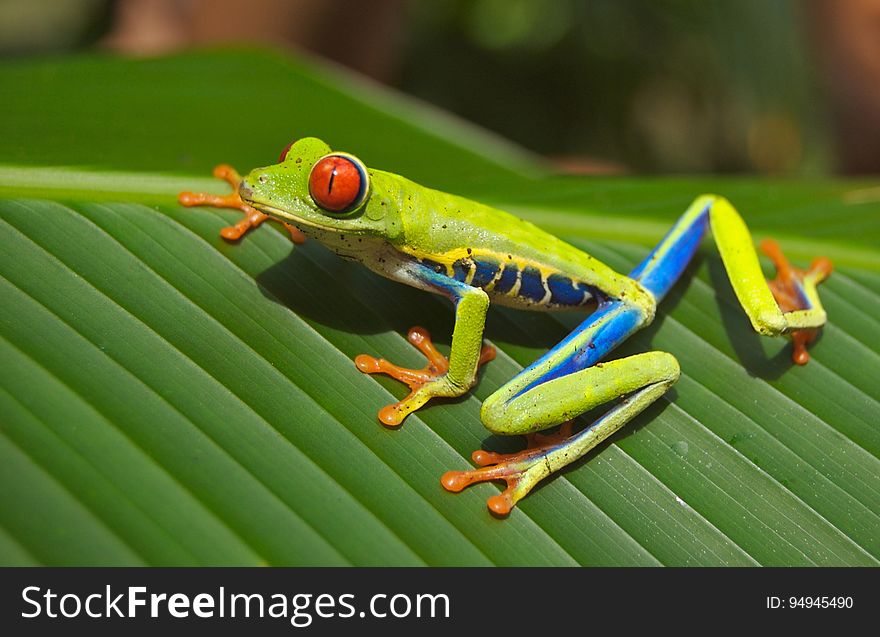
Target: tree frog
[474,254]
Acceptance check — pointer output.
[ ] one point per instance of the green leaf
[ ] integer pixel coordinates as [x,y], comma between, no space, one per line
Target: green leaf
[168,398]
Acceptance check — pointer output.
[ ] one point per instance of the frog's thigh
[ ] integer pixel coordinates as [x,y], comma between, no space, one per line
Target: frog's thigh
[561,399]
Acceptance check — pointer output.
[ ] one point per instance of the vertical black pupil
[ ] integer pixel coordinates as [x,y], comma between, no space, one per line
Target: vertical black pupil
[330,183]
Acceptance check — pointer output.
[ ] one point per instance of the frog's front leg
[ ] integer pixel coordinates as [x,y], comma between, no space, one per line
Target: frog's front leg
[252,217]
[441,376]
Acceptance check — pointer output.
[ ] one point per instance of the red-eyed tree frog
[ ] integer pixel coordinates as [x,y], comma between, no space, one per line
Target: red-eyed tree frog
[474,254]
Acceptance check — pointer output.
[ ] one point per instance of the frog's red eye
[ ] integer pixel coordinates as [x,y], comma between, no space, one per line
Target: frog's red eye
[338,183]
[284,152]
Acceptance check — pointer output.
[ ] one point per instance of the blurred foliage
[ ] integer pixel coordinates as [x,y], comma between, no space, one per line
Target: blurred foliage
[51,25]
[601,85]
[668,85]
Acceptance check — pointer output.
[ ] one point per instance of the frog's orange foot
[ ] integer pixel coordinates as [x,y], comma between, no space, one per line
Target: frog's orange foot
[521,470]
[787,289]
[252,217]
[417,379]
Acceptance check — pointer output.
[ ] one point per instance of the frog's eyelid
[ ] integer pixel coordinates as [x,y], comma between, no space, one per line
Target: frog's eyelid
[283,155]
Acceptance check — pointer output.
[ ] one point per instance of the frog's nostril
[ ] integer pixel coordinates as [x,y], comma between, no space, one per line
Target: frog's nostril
[263,179]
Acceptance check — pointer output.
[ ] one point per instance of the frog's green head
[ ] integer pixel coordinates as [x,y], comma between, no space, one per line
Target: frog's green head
[324,193]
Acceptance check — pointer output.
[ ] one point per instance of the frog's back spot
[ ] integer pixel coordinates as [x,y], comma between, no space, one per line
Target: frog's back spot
[461,269]
[532,284]
[484,272]
[563,291]
[507,280]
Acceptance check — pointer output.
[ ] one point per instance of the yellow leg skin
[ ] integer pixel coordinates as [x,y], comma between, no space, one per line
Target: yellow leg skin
[789,304]
[252,219]
[423,383]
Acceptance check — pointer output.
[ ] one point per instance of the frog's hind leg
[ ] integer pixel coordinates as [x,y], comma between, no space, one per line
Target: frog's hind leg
[252,217]
[642,378]
[566,382]
[788,305]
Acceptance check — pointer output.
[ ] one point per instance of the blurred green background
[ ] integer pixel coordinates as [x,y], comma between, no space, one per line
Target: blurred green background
[602,86]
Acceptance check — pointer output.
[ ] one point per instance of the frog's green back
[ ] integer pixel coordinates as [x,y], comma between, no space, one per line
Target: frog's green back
[477,243]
